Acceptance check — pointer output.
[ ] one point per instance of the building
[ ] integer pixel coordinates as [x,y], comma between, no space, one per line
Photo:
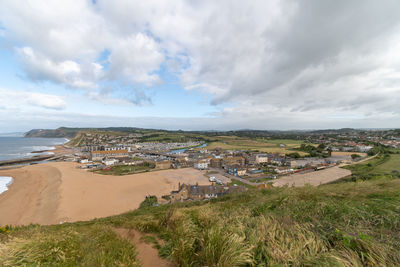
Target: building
[181,163]
[216,163]
[162,165]
[110,162]
[236,170]
[230,161]
[100,155]
[200,192]
[201,165]
[262,158]
[364,149]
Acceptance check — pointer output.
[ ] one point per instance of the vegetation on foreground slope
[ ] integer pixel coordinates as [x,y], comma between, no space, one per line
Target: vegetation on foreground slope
[352,223]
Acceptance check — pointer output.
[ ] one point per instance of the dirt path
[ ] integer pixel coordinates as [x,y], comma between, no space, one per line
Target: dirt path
[147,255]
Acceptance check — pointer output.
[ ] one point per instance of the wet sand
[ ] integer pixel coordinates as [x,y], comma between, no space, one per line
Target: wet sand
[57,192]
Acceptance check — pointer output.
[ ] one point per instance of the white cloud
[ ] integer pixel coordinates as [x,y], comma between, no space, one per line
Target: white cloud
[46,101]
[304,59]
[135,58]
[67,72]
[12,100]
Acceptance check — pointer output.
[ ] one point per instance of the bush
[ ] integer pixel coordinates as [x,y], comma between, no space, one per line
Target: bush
[149,201]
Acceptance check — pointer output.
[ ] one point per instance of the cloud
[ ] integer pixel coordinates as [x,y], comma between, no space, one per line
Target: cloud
[303,59]
[134,59]
[46,101]
[67,72]
[17,100]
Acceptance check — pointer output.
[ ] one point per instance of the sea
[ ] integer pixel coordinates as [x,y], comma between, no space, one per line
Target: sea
[20,147]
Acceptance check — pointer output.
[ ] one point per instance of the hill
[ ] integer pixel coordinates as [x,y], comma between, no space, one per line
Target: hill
[350,223]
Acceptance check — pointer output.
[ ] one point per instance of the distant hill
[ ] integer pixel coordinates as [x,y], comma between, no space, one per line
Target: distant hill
[50,133]
[65,132]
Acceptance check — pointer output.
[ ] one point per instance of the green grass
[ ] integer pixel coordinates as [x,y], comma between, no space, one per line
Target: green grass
[261,145]
[345,224]
[237,182]
[352,223]
[382,165]
[125,170]
[65,245]
[393,164]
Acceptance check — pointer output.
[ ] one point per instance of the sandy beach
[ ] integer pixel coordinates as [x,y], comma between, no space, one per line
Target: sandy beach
[57,192]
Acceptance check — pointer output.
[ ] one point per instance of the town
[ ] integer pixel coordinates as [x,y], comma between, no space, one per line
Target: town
[258,164]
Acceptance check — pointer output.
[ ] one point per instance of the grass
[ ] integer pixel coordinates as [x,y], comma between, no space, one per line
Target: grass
[351,223]
[382,165]
[66,245]
[237,182]
[261,145]
[345,224]
[393,164]
[125,169]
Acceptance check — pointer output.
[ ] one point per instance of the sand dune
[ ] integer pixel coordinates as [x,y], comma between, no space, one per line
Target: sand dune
[57,192]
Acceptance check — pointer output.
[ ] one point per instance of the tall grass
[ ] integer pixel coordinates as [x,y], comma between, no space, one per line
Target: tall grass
[348,224]
[342,224]
[66,246]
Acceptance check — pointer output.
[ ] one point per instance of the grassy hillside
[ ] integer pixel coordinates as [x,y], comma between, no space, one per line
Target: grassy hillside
[351,223]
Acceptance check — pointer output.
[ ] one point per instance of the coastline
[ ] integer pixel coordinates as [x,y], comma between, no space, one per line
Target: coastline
[57,192]
[5,186]
[52,152]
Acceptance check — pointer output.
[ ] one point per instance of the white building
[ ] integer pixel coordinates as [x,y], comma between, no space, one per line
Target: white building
[364,148]
[110,162]
[201,165]
[262,158]
[84,161]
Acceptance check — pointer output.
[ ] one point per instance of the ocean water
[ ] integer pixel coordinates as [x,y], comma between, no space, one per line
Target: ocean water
[19,147]
[4,183]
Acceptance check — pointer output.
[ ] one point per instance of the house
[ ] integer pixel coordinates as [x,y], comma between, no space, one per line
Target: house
[216,163]
[201,165]
[240,161]
[187,192]
[236,170]
[363,148]
[181,163]
[162,164]
[277,160]
[241,172]
[99,155]
[110,162]
[262,158]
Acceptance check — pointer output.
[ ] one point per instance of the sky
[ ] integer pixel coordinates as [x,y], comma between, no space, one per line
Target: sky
[199,64]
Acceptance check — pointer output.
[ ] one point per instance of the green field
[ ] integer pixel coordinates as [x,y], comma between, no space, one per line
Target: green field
[125,170]
[261,145]
[381,166]
[393,164]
